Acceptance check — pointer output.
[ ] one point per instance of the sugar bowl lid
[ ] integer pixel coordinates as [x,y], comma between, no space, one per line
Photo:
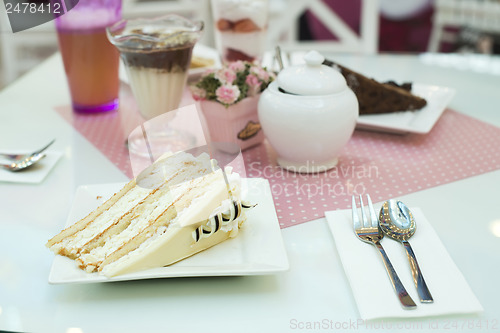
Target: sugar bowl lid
[311,79]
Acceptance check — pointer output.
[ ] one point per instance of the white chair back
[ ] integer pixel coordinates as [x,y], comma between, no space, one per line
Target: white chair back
[283,27]
[482,15]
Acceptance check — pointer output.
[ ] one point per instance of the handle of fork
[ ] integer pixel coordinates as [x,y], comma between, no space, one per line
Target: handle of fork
[423,292]
[406,301]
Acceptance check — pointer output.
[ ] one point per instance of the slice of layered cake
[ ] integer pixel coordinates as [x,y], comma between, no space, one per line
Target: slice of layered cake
[376,97]
[179,206]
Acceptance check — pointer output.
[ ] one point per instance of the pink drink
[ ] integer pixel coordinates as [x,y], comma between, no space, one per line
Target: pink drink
[90,60]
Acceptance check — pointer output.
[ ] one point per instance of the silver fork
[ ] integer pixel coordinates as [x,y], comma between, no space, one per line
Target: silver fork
[368,231]
[19,157]
[23,164]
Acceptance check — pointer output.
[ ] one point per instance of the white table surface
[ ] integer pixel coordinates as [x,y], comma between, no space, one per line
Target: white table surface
[315,288]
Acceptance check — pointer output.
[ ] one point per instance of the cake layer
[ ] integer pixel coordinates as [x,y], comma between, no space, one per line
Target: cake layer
[178,240]
[159,213]
[80,225]
[180,204]
[165,249]
[124,205]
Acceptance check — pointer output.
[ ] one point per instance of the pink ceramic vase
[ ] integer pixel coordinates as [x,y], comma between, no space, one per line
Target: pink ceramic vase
[237,123]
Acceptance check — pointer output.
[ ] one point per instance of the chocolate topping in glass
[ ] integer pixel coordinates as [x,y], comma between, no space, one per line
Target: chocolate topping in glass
[157,54]
[165,43]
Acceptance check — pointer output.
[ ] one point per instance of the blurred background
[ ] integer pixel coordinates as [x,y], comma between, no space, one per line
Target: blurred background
[354,26]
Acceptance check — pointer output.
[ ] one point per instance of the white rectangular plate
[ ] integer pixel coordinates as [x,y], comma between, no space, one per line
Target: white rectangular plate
[258,249]
[420,121]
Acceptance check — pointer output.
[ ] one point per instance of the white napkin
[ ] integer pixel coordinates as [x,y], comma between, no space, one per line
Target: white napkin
[35,174]
[370,283]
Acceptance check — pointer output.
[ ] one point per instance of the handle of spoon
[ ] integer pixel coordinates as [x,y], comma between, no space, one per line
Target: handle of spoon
[406,301]
[278,57]
[423,292]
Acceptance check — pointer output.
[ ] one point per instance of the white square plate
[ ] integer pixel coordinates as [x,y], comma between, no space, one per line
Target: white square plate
[258,249]
[420,122]
[35,174]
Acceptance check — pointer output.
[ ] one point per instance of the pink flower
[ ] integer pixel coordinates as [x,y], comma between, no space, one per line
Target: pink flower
[226,75]
[260,72]
[198,93]
[252,80]
[232,83]
[253,84]
[227,94]
[237,66]
[207,72]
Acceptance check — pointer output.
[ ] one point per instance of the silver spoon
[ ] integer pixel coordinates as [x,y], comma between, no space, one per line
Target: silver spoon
[397,222]
[17,157]
[279,59]
[24,163]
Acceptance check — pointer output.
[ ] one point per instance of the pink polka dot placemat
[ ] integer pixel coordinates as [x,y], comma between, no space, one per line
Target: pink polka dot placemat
[108,131]
[383,165]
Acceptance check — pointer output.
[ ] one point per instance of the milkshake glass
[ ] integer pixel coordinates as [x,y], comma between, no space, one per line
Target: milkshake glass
[157,54]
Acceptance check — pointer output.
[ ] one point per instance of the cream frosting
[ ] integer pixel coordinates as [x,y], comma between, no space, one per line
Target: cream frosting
[152,224]
[156,91]
[175,242]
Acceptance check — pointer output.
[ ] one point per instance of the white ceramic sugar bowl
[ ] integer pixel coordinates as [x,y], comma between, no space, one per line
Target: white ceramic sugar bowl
[308,114]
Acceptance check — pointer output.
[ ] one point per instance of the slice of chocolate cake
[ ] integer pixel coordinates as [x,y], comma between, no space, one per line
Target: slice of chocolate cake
[376,97]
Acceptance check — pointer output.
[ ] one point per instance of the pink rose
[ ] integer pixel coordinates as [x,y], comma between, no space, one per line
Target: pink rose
[237,66]
[198,93]
[252,80]
[260,72]
[227,94]
[226,75]
[253,84]
[207,72]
